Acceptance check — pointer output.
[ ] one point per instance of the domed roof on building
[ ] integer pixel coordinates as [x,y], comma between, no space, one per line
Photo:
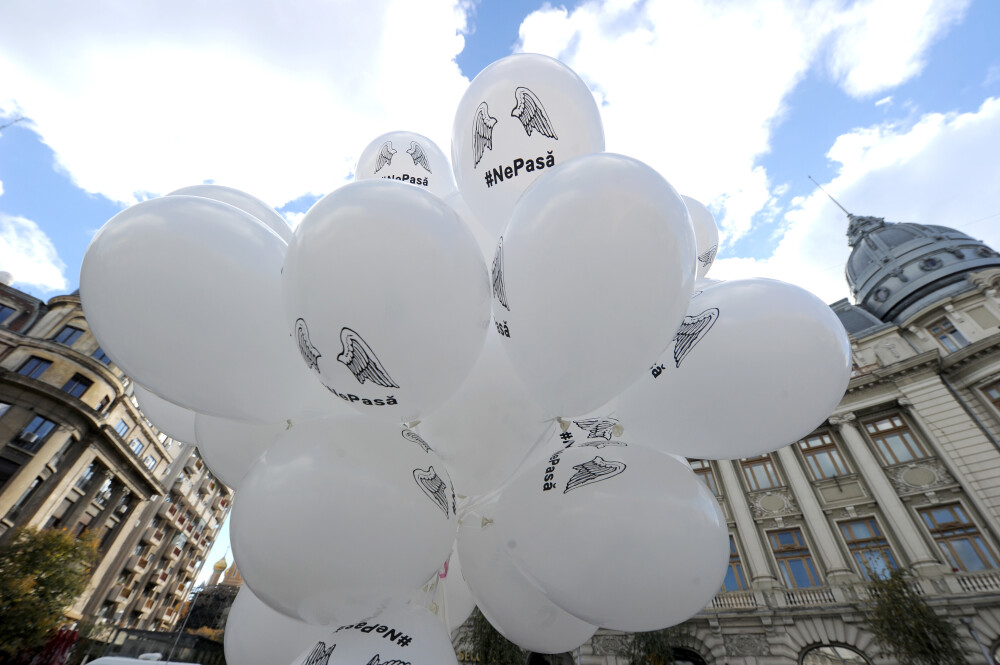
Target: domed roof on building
[220,565]
[897,268]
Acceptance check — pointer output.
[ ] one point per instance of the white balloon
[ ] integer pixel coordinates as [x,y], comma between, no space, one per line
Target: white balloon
[217,344]
[706,233]
[403,634]
[520,117]
[230,447]
[593,272]
[488,426]
[447,595]
[516,608]
[245,202]
[623,537]
[424,164]
[174,421]
[257,635]
[388,296]
[374,518]
[718,393]
[487,241]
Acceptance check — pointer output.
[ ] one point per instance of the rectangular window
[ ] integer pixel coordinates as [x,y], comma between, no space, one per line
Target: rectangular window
[7,470]
[101,356]
[822,457]
[136,446]
[68,335]
[949,336]
[5,312]
[760,473]
[122,427]
[993,394]
[150,462]
[34,434]
[894,440]
[734,580]
[77,385]
[84,480]
[15,510]
[793,559]
[34,367]
[959,539]
[703,469]
[869,548]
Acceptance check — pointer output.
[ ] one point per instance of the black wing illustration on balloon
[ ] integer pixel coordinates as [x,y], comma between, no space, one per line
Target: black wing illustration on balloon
[418,155]
[385,154]
[499,291]
[309,352]
[410,435]
[692,329]
[482,132]
[594,471]
[433,486]
[376,661]
[706,257]
[362,361]
[601,443]
[598,427]
[320,655]
[531,113]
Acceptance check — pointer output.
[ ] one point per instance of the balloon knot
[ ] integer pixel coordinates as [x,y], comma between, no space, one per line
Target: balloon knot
[288,424]
[486,522]
[413,424]
[564,424]
[617,430]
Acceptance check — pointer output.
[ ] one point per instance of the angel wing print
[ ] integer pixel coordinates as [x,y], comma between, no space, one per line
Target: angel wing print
[362,361]
[706,257]
[499,291]
[531,113]
[433,486]
[320,655]
[309,352]
[376,661]
[594,471]
[692,330]
[418,155]
[598,427]
[482,132]
[410,435]
[385,154]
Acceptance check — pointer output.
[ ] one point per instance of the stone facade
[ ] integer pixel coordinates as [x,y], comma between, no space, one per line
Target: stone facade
[76,453]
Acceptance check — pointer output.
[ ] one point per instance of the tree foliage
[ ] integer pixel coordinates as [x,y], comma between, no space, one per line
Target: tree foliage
[655,647]
[906,627]
[487,645]
[41,574]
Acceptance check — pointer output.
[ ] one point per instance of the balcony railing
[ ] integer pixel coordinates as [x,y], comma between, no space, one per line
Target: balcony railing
[977,582]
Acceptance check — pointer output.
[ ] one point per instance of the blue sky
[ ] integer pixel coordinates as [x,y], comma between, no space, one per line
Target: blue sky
[892,105]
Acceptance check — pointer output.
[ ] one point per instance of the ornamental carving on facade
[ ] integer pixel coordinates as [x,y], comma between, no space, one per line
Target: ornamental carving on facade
[772,503]
[919,476]
[609,645]
[747,644]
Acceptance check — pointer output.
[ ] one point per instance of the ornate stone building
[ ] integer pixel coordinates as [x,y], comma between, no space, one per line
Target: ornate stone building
[76,453]
[905,473]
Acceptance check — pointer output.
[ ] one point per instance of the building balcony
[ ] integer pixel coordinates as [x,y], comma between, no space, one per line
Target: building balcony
[169,510]
[147,607]
[181,591]
[121,593]
[153,535]
[137,564]
[182,487]
[194,465]
[173,553]
[220,503]
[165,614]
[192,566]
[160,577]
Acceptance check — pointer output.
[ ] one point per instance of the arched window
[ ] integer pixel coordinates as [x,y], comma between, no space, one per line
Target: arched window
[684,656]
[832,654]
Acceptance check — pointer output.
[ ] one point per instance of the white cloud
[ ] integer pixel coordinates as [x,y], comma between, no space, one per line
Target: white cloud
[942,170]
[1,187]
[277,99]
[885,101]
[29,255]
[695,88]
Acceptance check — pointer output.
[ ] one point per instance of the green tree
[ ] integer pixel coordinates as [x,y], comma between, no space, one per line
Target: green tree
[906,627]
[486,645]
[41,574]
[655,647]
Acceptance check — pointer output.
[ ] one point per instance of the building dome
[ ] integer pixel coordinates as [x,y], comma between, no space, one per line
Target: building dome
[221,565]
[895,269]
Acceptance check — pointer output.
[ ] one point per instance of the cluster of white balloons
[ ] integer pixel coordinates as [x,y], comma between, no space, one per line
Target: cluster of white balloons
[459,384]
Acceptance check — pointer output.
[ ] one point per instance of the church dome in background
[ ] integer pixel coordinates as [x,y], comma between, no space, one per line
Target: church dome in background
[895,269]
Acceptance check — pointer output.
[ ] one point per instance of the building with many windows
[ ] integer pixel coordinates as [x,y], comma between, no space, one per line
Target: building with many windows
[76,453]
[904,474]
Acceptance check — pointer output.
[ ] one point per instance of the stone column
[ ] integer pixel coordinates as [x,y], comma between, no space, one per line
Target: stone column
[755,556]
[915,548]
[81,505]
[836,566]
